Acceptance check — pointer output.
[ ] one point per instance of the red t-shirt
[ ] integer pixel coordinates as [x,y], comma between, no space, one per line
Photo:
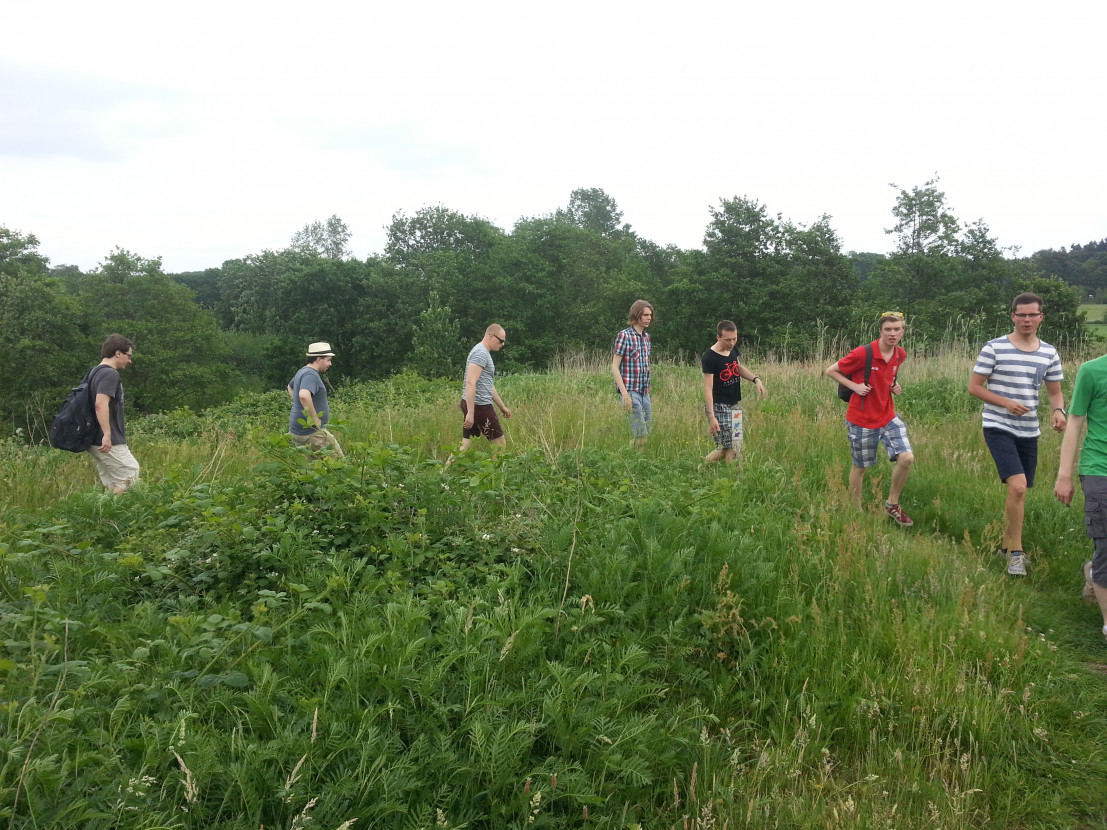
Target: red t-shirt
[877,408]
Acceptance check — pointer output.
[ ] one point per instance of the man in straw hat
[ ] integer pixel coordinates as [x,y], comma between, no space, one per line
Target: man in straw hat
[307,424]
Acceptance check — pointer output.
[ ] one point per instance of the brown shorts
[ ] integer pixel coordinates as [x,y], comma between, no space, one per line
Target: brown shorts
[485,422]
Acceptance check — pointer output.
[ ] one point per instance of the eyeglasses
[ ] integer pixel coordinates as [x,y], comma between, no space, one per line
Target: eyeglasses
[898,315]
[1033,316]
[502,341]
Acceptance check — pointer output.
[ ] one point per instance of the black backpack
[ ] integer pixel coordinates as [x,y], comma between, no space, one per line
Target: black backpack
[75,427]
[845,393]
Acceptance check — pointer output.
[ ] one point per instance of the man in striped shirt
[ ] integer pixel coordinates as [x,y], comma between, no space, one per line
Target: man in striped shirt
[1007,376]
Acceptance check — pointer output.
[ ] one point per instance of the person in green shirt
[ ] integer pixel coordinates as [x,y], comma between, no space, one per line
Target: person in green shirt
[1089,407]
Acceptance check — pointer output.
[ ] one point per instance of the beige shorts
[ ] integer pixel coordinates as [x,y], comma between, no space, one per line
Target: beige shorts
[118,469]
[320,439]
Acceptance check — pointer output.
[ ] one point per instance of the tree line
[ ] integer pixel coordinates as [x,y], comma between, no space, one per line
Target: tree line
[558,283]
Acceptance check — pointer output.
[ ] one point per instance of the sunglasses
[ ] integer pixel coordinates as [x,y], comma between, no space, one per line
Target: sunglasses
[898,315]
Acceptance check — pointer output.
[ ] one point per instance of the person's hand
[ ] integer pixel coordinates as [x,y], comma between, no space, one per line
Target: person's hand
[861,389]
[1015,408]
[105,445]
[1059,421]
[760,388]
[1063,489]
[505,412]
[468,422]
[713,425]
[896,388]
[628,404]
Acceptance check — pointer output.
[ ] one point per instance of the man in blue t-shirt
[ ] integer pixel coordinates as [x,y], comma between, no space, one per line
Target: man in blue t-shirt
[307,423]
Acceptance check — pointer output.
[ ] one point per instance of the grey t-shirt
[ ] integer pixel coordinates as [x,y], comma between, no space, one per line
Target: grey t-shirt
[106,381]
[308,378]
[486,382]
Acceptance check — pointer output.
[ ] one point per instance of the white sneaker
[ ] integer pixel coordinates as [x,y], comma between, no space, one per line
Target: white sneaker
[1088,593]
[1016,563]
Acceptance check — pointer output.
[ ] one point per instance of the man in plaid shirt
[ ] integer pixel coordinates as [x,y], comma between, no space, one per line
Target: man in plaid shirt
[630,366]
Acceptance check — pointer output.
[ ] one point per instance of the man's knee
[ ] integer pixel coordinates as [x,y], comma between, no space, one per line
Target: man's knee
[905,459]
[1016,486]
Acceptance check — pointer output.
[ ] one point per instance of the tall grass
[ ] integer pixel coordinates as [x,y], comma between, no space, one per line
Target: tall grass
[568,634]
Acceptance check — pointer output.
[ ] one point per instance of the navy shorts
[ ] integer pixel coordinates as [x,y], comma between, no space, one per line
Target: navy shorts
[1013,454]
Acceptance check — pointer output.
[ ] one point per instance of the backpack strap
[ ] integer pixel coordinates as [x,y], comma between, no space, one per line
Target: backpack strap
[868,368]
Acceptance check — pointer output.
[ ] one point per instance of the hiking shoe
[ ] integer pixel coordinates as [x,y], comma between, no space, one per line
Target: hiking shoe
[1088,594]
[1016,563]
[896,512]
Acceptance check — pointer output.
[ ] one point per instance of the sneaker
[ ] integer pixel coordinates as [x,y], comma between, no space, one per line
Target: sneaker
[1016,563]
[1088,593]
[896,512]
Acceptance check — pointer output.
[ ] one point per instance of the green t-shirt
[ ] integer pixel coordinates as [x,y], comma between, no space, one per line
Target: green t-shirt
[1089,399]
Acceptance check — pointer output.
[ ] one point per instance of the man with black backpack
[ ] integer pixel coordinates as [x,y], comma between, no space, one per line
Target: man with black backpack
[869,372]
[118,469]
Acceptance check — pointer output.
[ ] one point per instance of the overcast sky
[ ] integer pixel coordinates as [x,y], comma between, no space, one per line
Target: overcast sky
[206,131]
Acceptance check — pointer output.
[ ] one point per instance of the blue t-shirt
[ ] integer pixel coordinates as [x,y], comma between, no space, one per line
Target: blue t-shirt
[308,378]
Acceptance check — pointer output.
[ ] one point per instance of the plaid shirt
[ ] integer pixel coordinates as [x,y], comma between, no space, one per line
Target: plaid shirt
[635,366]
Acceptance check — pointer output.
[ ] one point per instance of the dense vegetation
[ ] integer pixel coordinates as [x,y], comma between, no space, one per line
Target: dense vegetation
[570,634]
[558,283]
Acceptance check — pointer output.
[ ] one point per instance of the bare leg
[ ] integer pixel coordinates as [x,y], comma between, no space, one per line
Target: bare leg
[856,479]
[1101,598]
[731,456]
[715,455]
[900,471]
[1013,512]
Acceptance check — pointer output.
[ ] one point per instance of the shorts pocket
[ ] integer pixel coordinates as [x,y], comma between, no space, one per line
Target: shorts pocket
[1095,518]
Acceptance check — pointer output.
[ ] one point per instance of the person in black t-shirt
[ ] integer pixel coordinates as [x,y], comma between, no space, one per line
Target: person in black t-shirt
[722,391]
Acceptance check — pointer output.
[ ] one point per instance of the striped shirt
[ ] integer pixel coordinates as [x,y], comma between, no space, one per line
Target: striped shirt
[486,381]
[635,365]
[1017,375]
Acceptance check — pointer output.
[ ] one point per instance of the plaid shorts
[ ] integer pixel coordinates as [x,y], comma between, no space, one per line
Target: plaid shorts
[724,438]
[863,441]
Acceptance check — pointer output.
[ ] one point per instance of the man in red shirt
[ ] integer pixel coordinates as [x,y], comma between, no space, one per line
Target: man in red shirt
[871,417]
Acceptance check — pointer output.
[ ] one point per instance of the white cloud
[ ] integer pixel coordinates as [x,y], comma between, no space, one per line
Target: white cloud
[213,130]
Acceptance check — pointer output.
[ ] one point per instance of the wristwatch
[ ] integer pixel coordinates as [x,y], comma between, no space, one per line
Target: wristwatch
[1061,409]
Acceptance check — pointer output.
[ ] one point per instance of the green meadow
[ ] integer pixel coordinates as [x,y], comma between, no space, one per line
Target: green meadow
[569,634]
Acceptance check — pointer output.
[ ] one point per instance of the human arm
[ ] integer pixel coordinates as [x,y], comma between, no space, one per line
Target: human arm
[747,374]
[1056,404]
[290,392]
[620,384]
[472,375]
[709,402]
[500,404]
[1063,488]
[103,418]
[310,415]
[835,373]
[978,389]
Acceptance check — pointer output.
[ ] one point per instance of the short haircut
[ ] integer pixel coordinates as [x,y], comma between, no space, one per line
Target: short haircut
[725,325]
[637,309]
[890,318]
[1026,298]
[494,330]
[116,343]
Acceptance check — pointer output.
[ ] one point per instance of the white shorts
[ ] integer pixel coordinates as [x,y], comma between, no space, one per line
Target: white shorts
[117,467]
